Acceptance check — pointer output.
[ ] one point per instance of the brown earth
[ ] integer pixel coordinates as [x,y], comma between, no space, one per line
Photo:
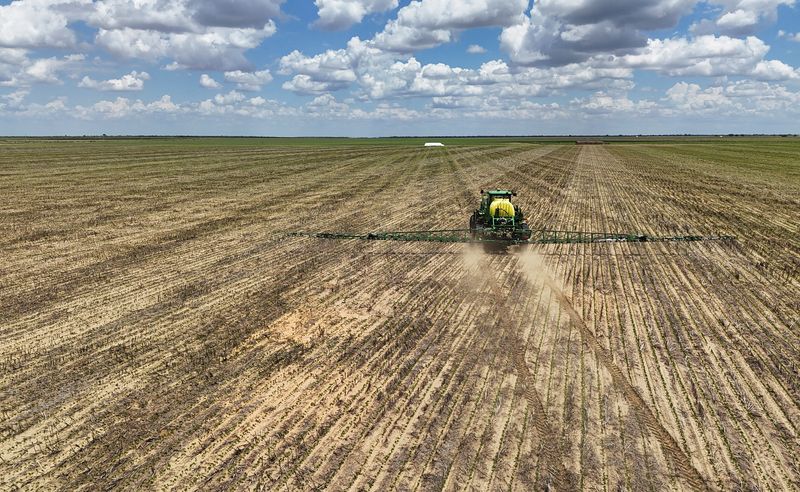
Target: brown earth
[158,330]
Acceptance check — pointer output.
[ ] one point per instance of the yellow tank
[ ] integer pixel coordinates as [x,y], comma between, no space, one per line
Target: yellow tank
[501,207]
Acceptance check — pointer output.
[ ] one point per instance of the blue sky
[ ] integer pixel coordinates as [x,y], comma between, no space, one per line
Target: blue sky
[383,67]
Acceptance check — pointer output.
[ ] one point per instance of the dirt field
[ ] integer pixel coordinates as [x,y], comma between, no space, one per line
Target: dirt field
[157,331]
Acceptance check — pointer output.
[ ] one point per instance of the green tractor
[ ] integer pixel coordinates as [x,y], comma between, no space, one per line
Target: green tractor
[498,219]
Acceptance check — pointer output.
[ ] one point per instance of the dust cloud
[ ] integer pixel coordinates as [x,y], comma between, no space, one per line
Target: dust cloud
[472,257]
[532,265]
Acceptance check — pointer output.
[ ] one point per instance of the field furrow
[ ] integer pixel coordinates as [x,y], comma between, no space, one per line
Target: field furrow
[160,331]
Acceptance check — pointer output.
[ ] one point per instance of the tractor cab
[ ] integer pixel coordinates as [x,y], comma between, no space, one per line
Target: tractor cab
[492,195]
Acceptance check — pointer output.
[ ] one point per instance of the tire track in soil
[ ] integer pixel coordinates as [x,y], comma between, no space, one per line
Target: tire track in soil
[667,375]
[557,473]
[699,316]
[679,460]
[445,343]
[551,455]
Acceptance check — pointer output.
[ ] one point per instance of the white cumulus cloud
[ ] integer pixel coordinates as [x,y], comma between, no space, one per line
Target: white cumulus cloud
[708,56]
[229,98]
[14,99]
[741,17]
[133,81]
[194,34]
[736,99]
[336,15]
[790,36]
[47,70]
[304,84]
[123,107]
[249,81]
[561,32]
[376,74]
[428,23]
[219,48]
[208,82]
[35,24]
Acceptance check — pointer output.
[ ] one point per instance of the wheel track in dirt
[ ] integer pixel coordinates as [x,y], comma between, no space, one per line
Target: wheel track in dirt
[434,402]
[557,475]
[726,387]
[679,460]
[662,339]
[573,211]
[670,447]
[621,195]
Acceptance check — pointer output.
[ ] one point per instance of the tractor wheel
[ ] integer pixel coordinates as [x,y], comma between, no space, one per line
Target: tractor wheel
[473,225]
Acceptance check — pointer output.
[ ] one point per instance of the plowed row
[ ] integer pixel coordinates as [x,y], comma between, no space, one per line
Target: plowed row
[158,330]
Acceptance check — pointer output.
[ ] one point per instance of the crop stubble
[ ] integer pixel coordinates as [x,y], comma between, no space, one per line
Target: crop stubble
[158,329]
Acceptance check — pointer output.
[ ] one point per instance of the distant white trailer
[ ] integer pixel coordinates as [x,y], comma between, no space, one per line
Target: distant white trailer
[434,144]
